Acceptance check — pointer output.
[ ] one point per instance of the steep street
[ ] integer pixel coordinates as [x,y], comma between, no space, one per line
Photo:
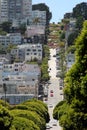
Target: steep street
[54,93]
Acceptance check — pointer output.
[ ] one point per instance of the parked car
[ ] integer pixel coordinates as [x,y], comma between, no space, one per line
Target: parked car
[54,55]
[48,126]
[50,105]
[53,122]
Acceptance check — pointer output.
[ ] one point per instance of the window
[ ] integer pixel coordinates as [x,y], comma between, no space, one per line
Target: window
[27,54]
[16,69]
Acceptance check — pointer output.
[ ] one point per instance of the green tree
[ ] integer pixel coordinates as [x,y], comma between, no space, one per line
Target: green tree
[44,66]
[74,111]
[72,37]
[76,78]
[79,23]
[36,20]
[22,28]
[30,115]
[80,13]
[2,32]
[6,105]
[62,36]
[39,107]
[80,10]
[5,118]
[10,47]
[20,123]
[6,26]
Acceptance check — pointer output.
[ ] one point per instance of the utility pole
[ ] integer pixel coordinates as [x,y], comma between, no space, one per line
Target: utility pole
[5,89]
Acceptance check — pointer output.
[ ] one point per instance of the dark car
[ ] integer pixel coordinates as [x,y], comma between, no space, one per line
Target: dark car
[51,91]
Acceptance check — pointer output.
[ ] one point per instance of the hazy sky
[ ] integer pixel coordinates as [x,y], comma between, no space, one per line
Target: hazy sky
[59,7]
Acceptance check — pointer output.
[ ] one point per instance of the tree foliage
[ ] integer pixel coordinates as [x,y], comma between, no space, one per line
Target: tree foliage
[72,37]
[80,10]
[6,26]
[40,108]
[20,123]
[29,115]
[73,112]
[44,66]
[5,118]
[80,13]
[22,28]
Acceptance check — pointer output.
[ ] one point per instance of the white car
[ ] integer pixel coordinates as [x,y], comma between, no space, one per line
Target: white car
[48,126]
[50,105]
[54,122]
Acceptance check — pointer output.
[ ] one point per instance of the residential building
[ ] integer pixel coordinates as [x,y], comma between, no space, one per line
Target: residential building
[34,30]
[26,40]
[70,59]
[70,28]
[3,11]
[15,38]
[33,52]
[18,53]
[21,80]
[19,10]
[11,38]
[39,17]
[28,52]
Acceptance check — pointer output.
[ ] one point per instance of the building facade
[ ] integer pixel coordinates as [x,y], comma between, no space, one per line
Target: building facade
[39,17]
[21,80]
[11,38]
[3,11]
[18,10]
[28,52]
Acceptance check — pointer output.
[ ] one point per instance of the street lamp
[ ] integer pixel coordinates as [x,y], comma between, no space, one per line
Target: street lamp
[5,89]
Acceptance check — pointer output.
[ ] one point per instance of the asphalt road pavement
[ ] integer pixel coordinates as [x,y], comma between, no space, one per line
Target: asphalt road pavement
[54,92]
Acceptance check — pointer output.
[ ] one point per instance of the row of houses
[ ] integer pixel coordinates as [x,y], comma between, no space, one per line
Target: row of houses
[33,34]
[19,81]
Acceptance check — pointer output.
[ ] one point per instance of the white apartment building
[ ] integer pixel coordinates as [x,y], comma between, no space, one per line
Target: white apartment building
[4,40]
[40,16]
[33,52]
[27,8]
[15,38]
[28,52]
[11,38]
[18,10]
[3,11]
